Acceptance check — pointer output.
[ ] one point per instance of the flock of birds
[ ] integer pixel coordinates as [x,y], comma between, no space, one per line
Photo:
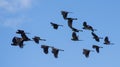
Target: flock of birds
[19,41]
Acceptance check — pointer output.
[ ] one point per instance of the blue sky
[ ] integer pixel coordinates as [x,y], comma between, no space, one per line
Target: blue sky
[34,16]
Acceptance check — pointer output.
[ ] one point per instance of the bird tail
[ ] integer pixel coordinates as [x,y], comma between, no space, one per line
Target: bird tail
[27,33]
[43,39]
[56,48]
[60,50]
[61,25]
[100,47]
[112,44]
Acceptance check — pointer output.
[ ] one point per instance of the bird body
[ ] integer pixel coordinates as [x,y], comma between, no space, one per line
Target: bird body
[107,41]
[70,21]
[55,26]
[86,52]
[74,37]
[21,32]
[96,48]
[65,14]
[23,35]
[55,51]
[45,48]
[96,37]
[36,39]
[88,27]
[16,41]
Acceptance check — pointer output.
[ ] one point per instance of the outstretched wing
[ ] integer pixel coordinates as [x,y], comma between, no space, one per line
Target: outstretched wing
[45,48]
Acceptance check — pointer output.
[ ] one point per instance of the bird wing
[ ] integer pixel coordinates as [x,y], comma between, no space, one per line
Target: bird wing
[74,35]
[106,39]
[85,24]
[55,52]
[45,48]
[70,22]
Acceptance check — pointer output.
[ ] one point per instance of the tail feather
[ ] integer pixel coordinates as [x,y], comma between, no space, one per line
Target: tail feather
[43,39]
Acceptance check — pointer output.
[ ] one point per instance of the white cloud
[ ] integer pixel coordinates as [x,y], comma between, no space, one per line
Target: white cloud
[15,5]
[14,22]
[25,3]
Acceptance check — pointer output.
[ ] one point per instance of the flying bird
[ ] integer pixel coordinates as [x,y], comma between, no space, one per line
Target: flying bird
[65,14]
[55,26]
[88,27]
[17,41]
[45,48]
[74,37]
[36,39]
[70,21]
[85,25]
[55,51]
[23,35]
[86,52]
[21,32]
[96,48]
[107,41]
[96,37]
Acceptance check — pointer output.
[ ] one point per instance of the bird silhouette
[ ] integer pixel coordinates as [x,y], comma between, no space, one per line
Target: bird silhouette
[96,37]
[86,52]
[96,48]
[65,14]
[36,39]
[21,32]
[88,27]
[21,43]
[55,26]
[23,35]
[85,25]
[17,41]
[107,41]
[45,48]
[55,51]
[70,21]
[74,37]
